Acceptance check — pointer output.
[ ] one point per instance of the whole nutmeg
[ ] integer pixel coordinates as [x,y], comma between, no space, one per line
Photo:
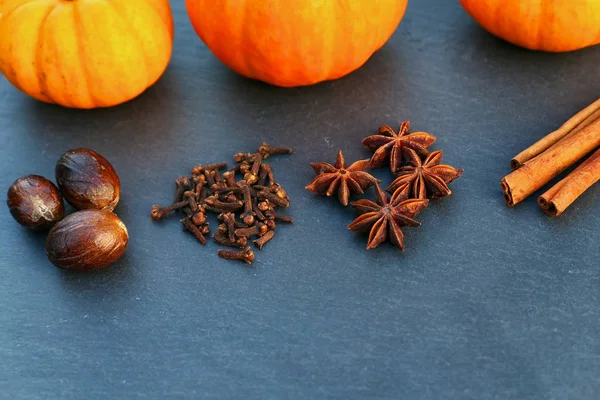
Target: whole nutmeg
[35,202]
[87,180]
[86,240]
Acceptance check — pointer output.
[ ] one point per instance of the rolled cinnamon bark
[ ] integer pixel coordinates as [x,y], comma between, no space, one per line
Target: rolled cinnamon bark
[556,200]
[572,126]
[537,172]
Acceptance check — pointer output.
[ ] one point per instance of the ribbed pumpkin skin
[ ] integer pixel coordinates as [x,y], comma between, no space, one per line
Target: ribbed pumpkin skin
[295,42]
[546,25]
[84,53]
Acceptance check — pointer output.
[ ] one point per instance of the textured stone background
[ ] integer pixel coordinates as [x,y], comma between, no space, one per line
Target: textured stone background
[487,302]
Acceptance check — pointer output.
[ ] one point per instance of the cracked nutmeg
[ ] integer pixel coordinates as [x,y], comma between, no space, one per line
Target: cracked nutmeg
[35,202]
[383,218]
[388,145]
[425,178]
[340,179]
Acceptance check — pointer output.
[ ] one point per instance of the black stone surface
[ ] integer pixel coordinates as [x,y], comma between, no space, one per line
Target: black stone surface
[487,302]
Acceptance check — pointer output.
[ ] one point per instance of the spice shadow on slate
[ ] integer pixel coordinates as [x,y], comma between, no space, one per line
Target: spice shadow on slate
[117,276]
[35,240]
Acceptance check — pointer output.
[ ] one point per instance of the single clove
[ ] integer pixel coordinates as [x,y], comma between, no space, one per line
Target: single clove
[200,182]
[217,204]
[198,218]
[259,214]
[245,255]
[270,223]
[244,157]
[199,169]
[210,179]
[159,213]
[244,167]
[248,215]
[191,199]
[229,220]
[264,206]
[225,241]
[273,198]
[189,226]
[266,150]
[251,177]
[266,173]
[255,230]
[229,178]
[281,218]
[261,241]
[182,184]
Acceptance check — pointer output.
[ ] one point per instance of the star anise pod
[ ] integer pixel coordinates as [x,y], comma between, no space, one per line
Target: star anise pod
[341,179]
[388,145]
[385,217]
[426,178]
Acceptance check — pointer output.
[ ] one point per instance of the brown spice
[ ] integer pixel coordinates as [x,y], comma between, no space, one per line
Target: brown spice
[225,241]
[419,175]
[340,179]
[260,242]
[426,178]
[231,200]
[229,220]
[200,169]
[540,170]
[569,128]
[158,212]
[388,145]
[557,199]
[384,217]
[266,150]
[259,229]
[182,184]
[245,255]
[189,226]
[35,202]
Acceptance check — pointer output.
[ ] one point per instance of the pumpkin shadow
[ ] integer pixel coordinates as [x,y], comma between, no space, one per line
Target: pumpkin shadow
[484,50]
[129,124]
[379,64]
[300,115]
[379,72]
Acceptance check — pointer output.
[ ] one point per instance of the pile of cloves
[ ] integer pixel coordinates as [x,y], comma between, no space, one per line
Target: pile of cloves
[245,208]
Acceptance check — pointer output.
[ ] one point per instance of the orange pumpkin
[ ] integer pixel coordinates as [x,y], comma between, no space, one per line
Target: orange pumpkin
[84,53]
[295,42]
[547,25]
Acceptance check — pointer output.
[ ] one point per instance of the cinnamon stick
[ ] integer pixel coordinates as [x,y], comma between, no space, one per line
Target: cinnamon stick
[578,122]
[556,200]
[537,172]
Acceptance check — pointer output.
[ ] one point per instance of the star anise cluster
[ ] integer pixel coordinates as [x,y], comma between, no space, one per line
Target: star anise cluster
[419,175]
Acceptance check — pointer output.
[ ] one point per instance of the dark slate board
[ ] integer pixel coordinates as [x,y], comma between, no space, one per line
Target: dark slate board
[487,302]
